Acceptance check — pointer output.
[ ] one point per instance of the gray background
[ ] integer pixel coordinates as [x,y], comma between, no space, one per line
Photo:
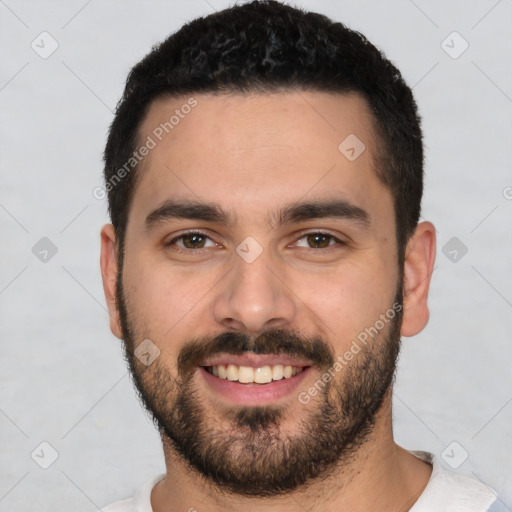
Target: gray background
[62,377]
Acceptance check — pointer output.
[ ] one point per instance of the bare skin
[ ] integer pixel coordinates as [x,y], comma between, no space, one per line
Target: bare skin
[252,156]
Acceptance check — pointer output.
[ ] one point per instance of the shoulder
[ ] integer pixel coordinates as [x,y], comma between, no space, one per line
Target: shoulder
[449,491]
[140,502]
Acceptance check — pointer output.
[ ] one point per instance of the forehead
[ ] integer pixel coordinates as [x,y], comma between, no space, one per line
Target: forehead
[253,151]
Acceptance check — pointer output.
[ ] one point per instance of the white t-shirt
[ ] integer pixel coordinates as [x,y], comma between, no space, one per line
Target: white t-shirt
[445,492]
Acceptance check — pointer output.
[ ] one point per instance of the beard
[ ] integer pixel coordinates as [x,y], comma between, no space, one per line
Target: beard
[244,450]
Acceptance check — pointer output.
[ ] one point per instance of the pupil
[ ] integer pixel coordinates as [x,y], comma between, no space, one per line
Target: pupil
[318,240]
[193,241]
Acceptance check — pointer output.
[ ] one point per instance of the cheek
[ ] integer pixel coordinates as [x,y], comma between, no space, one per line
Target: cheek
[166,303]
[348,300]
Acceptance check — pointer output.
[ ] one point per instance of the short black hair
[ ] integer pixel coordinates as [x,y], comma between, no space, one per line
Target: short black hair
[263,47]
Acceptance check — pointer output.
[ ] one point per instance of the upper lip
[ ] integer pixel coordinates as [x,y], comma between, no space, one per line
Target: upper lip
[255,360]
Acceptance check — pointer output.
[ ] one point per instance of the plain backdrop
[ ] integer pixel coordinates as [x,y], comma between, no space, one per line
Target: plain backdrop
[63,380]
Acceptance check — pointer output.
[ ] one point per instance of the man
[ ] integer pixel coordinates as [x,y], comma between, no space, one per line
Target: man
[264,174]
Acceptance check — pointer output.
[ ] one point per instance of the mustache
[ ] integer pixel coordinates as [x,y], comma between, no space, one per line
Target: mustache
[270,342]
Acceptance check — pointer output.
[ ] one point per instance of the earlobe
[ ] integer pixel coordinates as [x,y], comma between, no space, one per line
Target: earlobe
[109,270]
[418,267]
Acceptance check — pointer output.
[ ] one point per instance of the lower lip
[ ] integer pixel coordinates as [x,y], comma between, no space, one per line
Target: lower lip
[254,394]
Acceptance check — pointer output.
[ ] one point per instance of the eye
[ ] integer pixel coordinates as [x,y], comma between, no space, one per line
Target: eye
[318,241]
[192,240]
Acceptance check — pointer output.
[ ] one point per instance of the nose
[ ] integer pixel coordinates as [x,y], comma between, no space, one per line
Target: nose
[254,297]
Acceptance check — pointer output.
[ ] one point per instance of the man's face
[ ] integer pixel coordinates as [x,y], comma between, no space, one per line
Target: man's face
[292,256]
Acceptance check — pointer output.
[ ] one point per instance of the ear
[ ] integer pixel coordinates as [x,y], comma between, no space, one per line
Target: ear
[109,269]
[420,255]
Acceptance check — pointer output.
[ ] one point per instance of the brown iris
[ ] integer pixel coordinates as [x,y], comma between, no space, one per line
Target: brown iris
[318,240]
[193,241]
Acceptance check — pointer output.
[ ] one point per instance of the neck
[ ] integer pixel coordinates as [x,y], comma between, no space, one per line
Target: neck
[379,476]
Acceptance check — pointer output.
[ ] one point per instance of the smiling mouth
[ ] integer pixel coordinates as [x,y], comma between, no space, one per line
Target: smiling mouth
[250,375]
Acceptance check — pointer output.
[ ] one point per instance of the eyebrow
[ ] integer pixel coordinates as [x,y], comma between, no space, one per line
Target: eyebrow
[294,212]
[186,210]
[334,208]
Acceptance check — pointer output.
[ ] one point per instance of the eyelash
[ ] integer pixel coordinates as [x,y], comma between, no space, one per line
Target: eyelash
[327,249]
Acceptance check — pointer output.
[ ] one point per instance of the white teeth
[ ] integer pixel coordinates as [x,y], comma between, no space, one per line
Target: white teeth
[232,372]
[277,372]
[245,374]
[261,375]
[222,371]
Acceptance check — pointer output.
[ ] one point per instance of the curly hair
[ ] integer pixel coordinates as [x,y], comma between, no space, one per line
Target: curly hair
[263,47]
